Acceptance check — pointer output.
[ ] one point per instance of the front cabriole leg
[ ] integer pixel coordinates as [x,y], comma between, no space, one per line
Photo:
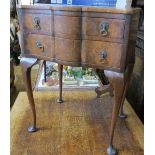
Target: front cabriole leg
[27,64]
[117,81]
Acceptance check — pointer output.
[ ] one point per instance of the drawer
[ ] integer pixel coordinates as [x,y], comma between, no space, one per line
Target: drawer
[38,45]
[67,27]
[68,50]
[103,54]
[103,29]
[37,23]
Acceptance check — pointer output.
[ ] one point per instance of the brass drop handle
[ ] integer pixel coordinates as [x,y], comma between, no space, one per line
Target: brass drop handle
[39,46]
[104,29]
[102,55]
[37,23]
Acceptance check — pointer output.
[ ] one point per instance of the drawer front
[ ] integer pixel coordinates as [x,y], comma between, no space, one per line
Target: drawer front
[67,27]
[38,45]
[103,54]
[103,29]
[37,23]
[68,50]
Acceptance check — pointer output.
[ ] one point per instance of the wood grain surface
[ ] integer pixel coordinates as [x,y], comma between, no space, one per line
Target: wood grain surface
[79,126]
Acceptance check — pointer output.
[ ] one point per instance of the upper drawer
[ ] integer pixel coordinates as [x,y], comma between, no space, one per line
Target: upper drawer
[67,24]
[103,29]
[36,21]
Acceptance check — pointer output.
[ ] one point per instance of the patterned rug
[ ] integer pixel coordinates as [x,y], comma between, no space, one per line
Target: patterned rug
[79,126]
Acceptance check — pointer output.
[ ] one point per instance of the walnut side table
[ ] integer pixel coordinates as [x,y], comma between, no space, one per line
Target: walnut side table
[96,37]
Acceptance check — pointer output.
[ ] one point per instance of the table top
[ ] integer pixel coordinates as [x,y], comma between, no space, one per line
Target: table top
[127,10]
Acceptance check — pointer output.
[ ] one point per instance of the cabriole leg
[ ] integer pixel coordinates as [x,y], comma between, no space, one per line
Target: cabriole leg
[104,84]
[130,70]
[60,70]
[44,63]
[121,113]
[117,81]
[27,64]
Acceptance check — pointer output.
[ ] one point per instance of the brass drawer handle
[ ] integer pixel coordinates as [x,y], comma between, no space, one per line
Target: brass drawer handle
[39,46]
[103,56]
[104,29]
[37,23]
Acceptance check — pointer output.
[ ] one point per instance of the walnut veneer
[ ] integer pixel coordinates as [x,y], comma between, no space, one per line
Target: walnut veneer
[97,37]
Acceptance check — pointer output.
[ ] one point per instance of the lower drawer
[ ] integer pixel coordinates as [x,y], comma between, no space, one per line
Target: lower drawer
[68,50]
[38,45]
[103,54]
